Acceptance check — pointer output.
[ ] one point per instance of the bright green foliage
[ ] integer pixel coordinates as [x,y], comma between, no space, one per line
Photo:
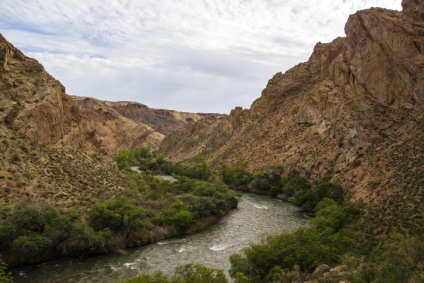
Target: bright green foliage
[189,273]
[36,231]
[297,189]
[306,248]
[177,214]
[236,175]
[125,159]
[282,258]
[196,273]
[120,214]
[307,196]
[34,228]
[149,163]
[331,215]
[197,170]
[5,276]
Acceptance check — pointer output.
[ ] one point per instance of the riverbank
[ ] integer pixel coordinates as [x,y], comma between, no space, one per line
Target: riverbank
[212,246]
[150,210]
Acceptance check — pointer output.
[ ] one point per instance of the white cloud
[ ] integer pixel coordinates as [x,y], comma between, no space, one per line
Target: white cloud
[191,55]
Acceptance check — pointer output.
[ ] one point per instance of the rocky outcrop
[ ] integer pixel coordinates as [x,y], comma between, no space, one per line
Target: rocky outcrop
[343,113]
[414,8]
[32,101]
[107,130]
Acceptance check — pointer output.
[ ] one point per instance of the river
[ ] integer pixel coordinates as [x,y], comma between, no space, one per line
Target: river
[255,216]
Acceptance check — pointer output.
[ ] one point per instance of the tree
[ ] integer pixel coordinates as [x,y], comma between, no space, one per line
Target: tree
[177,214]
[120,214]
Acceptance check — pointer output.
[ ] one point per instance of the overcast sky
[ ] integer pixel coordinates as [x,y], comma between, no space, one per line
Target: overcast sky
[187,55]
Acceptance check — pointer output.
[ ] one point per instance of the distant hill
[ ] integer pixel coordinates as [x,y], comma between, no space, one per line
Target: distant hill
[161,120]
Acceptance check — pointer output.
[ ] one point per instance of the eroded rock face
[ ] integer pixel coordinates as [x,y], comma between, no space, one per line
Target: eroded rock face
[414,8]
[33,102]
[340,114]
[107,130]
[36,105]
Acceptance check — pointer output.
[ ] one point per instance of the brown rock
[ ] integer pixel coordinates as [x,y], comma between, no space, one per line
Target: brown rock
[414,8]
[35,104]
[320,270]
[349,112]
[161,120]
[337,271]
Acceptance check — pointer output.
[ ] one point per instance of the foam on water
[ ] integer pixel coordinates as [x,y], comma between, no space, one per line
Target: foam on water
[261,206]
[218,247]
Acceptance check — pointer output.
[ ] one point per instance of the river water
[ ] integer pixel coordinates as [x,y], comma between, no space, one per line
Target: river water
[255,217]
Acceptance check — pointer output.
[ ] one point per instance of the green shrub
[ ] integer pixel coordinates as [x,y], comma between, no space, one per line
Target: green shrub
[120,214]
[5,276]
[178,215]
[305,248]
[31,243]
[196,273]
[189,273]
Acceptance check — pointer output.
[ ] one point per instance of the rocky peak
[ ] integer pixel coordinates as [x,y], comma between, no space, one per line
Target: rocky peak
[341,113]
[413,8]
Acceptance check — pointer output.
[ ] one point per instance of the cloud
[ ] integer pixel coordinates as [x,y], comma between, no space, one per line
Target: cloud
[199,56]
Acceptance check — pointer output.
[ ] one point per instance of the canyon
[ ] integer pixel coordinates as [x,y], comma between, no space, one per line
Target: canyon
[353,111]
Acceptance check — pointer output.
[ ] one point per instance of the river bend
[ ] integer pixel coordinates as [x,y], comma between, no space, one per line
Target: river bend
[256,216]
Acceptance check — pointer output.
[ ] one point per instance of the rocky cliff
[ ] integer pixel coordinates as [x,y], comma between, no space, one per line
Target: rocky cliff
[32,101]
[353,111]
[36,105]
[107,130]
[58,148]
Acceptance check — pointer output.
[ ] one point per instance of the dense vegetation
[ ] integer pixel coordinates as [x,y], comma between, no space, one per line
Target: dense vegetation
[299,190]
[189,273]
[149,210]
[364,245]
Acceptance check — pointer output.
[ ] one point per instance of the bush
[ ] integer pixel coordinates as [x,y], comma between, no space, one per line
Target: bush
[35,227]
[196,273]
[236,175]
[5,276]
[189,273]
[330,216]
[305,248]
[178,215]
[119,215]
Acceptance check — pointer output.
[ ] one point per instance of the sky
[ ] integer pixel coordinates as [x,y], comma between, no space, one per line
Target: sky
[187,55]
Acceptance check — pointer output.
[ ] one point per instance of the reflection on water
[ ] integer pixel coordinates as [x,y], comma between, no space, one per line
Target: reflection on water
[256,216]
